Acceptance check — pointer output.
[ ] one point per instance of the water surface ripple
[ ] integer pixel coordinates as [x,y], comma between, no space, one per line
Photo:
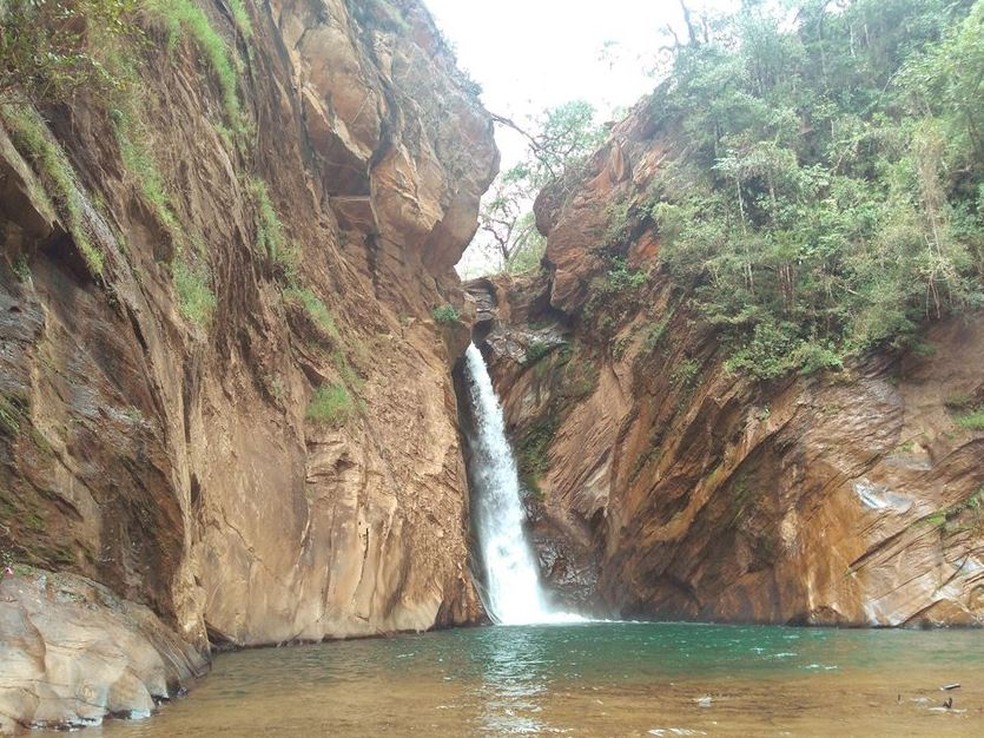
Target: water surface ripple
[592,680]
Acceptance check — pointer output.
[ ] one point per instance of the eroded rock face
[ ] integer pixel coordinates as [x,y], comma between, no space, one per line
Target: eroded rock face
[74,653]
[675,490]
[177,460]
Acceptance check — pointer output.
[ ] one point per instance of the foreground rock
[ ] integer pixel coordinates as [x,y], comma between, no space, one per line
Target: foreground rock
[72,654]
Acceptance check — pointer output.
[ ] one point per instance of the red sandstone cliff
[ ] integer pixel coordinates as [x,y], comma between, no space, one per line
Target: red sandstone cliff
[669,488]
[177,461]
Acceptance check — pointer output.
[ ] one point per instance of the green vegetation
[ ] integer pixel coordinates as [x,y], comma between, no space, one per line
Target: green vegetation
[184,17]
[189,270]
[536,351]
[971,421]
[685,373]
[946,519]
[560,142]
[315,309]
[50,48]
[743,498]
[140,163]
[22,268]
[531,453]
[621,278]
[445,314]
[195,297]
[10,416]
[613,297]
[334,403]
[240,16]
[331,404]
[958,401]
[828,192]
[270,236]
[655,333]
[620,221]
[31,137]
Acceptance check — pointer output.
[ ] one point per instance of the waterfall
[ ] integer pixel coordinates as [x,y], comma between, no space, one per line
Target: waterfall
[512,593]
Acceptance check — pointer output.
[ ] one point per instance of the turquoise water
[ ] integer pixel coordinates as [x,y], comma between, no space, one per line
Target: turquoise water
[594,679]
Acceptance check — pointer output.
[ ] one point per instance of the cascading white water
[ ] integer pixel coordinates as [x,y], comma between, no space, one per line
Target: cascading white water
[513,595]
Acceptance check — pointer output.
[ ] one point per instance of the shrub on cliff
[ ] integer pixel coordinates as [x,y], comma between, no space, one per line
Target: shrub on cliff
[331,405]
[445,314]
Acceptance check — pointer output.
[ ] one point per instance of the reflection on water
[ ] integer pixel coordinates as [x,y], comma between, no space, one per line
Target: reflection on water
[592,681]
[513,681]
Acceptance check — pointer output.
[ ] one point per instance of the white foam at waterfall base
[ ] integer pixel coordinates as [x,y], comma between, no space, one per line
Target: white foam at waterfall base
[512,594]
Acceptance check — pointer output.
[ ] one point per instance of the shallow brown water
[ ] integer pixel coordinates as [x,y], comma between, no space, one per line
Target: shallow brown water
[592,680]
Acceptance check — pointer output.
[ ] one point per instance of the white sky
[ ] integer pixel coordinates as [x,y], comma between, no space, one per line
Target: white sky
[529,55]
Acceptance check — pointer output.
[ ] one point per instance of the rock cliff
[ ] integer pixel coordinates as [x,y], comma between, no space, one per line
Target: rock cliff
[222,393]
[665,487]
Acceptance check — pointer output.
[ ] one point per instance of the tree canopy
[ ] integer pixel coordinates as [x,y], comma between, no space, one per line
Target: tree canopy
[828,194]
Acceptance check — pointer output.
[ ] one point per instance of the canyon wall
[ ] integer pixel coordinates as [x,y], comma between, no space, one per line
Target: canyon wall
[662,486]
[222,391]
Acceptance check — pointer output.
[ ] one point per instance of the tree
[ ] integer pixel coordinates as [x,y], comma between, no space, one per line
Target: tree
[560,140]
[830,196]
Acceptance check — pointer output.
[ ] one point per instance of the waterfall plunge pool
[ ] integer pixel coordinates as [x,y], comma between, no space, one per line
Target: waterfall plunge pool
[601,679]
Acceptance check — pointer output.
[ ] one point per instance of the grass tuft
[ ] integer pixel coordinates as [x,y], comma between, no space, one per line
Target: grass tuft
[270,236]
[195,297]
[331,405]
[971,421]
[184,16]
[240,16]
[138,161]
[315,308]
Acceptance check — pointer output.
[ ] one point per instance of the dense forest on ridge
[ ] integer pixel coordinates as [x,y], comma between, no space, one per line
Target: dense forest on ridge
[822,192]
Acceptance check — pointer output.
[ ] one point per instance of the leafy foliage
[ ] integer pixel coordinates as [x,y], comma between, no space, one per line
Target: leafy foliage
[560,142]
[830,194]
